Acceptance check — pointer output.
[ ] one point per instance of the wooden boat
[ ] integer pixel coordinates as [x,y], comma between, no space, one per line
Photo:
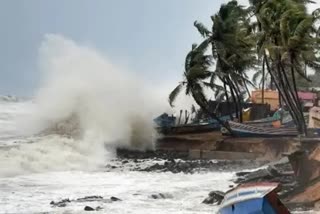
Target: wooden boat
[253,198]
[189,128]
[245,130]
[285,121]
[267,120]
[209,125]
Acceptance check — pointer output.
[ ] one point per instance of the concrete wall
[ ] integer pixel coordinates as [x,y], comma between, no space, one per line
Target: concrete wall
[215,146]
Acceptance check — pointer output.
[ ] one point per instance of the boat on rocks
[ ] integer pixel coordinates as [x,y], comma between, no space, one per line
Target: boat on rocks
[246,130]
[253,198]
[165,125]
[189,128]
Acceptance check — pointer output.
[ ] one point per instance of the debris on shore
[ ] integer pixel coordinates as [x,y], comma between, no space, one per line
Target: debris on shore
[94,198]
[298,175]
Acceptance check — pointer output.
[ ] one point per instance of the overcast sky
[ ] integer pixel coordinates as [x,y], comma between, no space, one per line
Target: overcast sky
[151,37]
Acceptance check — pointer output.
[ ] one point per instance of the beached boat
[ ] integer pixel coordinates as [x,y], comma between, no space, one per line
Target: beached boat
[253,198]
[279,119]
[189,128]
[267,120]
[169,128]
[246,130]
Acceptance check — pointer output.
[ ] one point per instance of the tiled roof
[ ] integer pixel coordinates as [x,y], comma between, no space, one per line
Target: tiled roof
[307,95]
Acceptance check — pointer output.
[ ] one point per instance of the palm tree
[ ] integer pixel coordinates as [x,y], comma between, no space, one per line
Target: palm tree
[232,48]
[287,43]
[197,65]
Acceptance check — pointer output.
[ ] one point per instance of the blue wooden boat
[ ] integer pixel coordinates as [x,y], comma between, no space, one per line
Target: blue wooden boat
[189,128]
[165,120]
[246,130]
[286,120]
[267,120]
[166,126]
[253,198]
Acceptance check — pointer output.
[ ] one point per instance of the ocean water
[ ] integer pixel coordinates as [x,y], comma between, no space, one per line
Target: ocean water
[35,170]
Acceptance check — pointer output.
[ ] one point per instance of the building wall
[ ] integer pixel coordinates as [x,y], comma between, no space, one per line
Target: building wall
[270,97]
[314,117]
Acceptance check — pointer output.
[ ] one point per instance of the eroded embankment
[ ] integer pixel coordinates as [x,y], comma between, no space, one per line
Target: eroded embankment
[213,145]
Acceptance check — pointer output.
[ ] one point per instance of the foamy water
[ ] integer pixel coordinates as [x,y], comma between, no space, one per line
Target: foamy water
[33,193]
[57,177]
[56,145]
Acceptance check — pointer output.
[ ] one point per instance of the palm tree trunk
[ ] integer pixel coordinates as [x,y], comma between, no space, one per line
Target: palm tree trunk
[295,100]
[281,91]
[234,98]
[290,100]
[297,97]
[237,92]
[245,85]
[228,99]
[179,121]
[263,76]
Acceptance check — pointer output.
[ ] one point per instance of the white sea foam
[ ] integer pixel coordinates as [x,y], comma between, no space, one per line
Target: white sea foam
[33,193]
[83,104]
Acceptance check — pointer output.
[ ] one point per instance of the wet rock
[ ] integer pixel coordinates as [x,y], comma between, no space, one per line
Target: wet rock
[115,199]
[215,197]
[157,154]
[88,208]
[99,208]
[64,202]
[241,174]
[280,173]
[268,173]
[161,196]
[192,166]
[90,198]
[61,203]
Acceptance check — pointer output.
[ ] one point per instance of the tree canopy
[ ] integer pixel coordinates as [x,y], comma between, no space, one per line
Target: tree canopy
[278,40]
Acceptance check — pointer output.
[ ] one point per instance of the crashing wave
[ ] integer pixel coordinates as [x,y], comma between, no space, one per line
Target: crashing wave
[85,104]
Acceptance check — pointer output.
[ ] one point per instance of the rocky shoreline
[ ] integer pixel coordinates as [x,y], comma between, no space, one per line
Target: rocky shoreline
[176,162]
[245,171]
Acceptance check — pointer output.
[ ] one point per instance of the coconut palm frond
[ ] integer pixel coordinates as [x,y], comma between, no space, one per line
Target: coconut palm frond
[202,29]
[213,86]
[173,95]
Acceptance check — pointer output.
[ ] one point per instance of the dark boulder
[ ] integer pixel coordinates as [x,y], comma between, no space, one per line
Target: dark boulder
[115,199]
[87,208]
[215,197]
[259,175]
